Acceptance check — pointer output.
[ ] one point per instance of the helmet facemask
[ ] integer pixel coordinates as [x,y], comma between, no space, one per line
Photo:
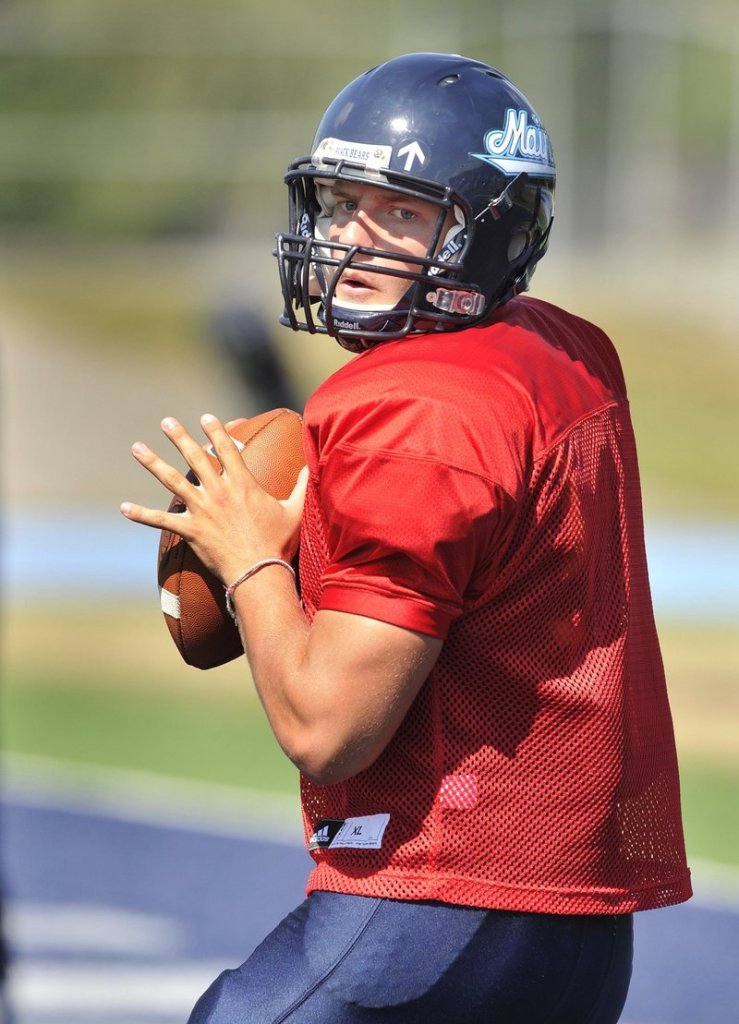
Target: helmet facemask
[311,265]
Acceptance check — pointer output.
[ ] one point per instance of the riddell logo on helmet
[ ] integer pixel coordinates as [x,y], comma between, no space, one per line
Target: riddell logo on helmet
[519,147]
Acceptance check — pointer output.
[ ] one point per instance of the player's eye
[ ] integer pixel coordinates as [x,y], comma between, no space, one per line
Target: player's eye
[403,213]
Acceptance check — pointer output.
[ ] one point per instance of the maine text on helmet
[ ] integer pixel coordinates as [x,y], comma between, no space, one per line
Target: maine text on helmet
[518,146]
[518,136]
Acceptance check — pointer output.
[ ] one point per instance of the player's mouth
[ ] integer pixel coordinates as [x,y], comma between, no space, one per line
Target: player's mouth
[354,287]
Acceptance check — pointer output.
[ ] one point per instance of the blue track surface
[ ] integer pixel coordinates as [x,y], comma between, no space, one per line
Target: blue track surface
[125,922]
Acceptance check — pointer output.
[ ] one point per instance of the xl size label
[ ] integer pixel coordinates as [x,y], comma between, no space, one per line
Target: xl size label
[364,833]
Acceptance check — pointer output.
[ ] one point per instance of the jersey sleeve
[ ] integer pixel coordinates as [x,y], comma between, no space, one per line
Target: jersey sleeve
[406,536]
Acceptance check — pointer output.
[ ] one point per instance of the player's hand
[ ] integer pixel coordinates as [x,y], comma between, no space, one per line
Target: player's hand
[229,521]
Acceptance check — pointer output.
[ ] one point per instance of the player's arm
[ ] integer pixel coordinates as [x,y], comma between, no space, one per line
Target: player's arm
[334,691]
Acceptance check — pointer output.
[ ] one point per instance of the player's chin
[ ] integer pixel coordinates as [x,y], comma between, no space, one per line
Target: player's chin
[352,295]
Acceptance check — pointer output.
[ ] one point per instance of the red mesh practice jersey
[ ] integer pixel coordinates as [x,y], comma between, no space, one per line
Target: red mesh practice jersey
[482,487]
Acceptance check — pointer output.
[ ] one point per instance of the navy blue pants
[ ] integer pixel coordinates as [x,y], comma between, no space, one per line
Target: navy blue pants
[348,959]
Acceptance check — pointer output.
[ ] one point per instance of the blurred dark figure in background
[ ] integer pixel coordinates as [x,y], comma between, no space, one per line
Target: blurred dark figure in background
[243,334]
[5,1014]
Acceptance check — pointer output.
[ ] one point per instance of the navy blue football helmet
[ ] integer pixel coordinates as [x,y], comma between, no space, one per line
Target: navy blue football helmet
[445,129]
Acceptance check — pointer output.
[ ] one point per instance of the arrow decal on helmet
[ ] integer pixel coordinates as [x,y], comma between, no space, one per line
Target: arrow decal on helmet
[519,147]
[412,152]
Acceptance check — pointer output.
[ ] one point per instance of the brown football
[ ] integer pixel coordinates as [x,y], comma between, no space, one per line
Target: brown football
[192,598]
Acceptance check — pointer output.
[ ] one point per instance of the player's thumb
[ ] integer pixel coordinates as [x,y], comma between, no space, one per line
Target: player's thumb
[294,504]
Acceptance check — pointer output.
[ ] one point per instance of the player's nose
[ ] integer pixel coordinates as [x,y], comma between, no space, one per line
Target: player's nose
[357,230]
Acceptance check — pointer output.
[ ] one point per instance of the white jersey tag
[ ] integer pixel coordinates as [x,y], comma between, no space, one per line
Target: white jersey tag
[364,833]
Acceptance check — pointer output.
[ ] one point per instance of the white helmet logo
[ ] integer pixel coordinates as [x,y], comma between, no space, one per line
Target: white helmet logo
[412,152]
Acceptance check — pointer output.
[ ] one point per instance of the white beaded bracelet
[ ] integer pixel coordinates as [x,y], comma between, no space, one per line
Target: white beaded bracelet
[245,576]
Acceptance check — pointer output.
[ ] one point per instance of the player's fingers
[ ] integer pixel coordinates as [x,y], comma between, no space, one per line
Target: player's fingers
[190,449]
[167,475]
[175,522]
[223,446]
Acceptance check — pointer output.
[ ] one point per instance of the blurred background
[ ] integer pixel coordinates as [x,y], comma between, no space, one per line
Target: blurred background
[142,148]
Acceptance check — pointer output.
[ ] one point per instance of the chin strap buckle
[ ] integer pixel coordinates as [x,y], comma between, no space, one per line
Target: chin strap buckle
[456,300]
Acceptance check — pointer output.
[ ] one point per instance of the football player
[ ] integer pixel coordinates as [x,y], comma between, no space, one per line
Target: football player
[471,684]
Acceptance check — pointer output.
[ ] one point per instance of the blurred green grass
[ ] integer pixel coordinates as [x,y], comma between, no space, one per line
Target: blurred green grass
[220,738]
[682,373]
[110,298]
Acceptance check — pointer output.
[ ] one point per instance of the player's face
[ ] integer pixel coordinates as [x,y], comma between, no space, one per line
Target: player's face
[376,218]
